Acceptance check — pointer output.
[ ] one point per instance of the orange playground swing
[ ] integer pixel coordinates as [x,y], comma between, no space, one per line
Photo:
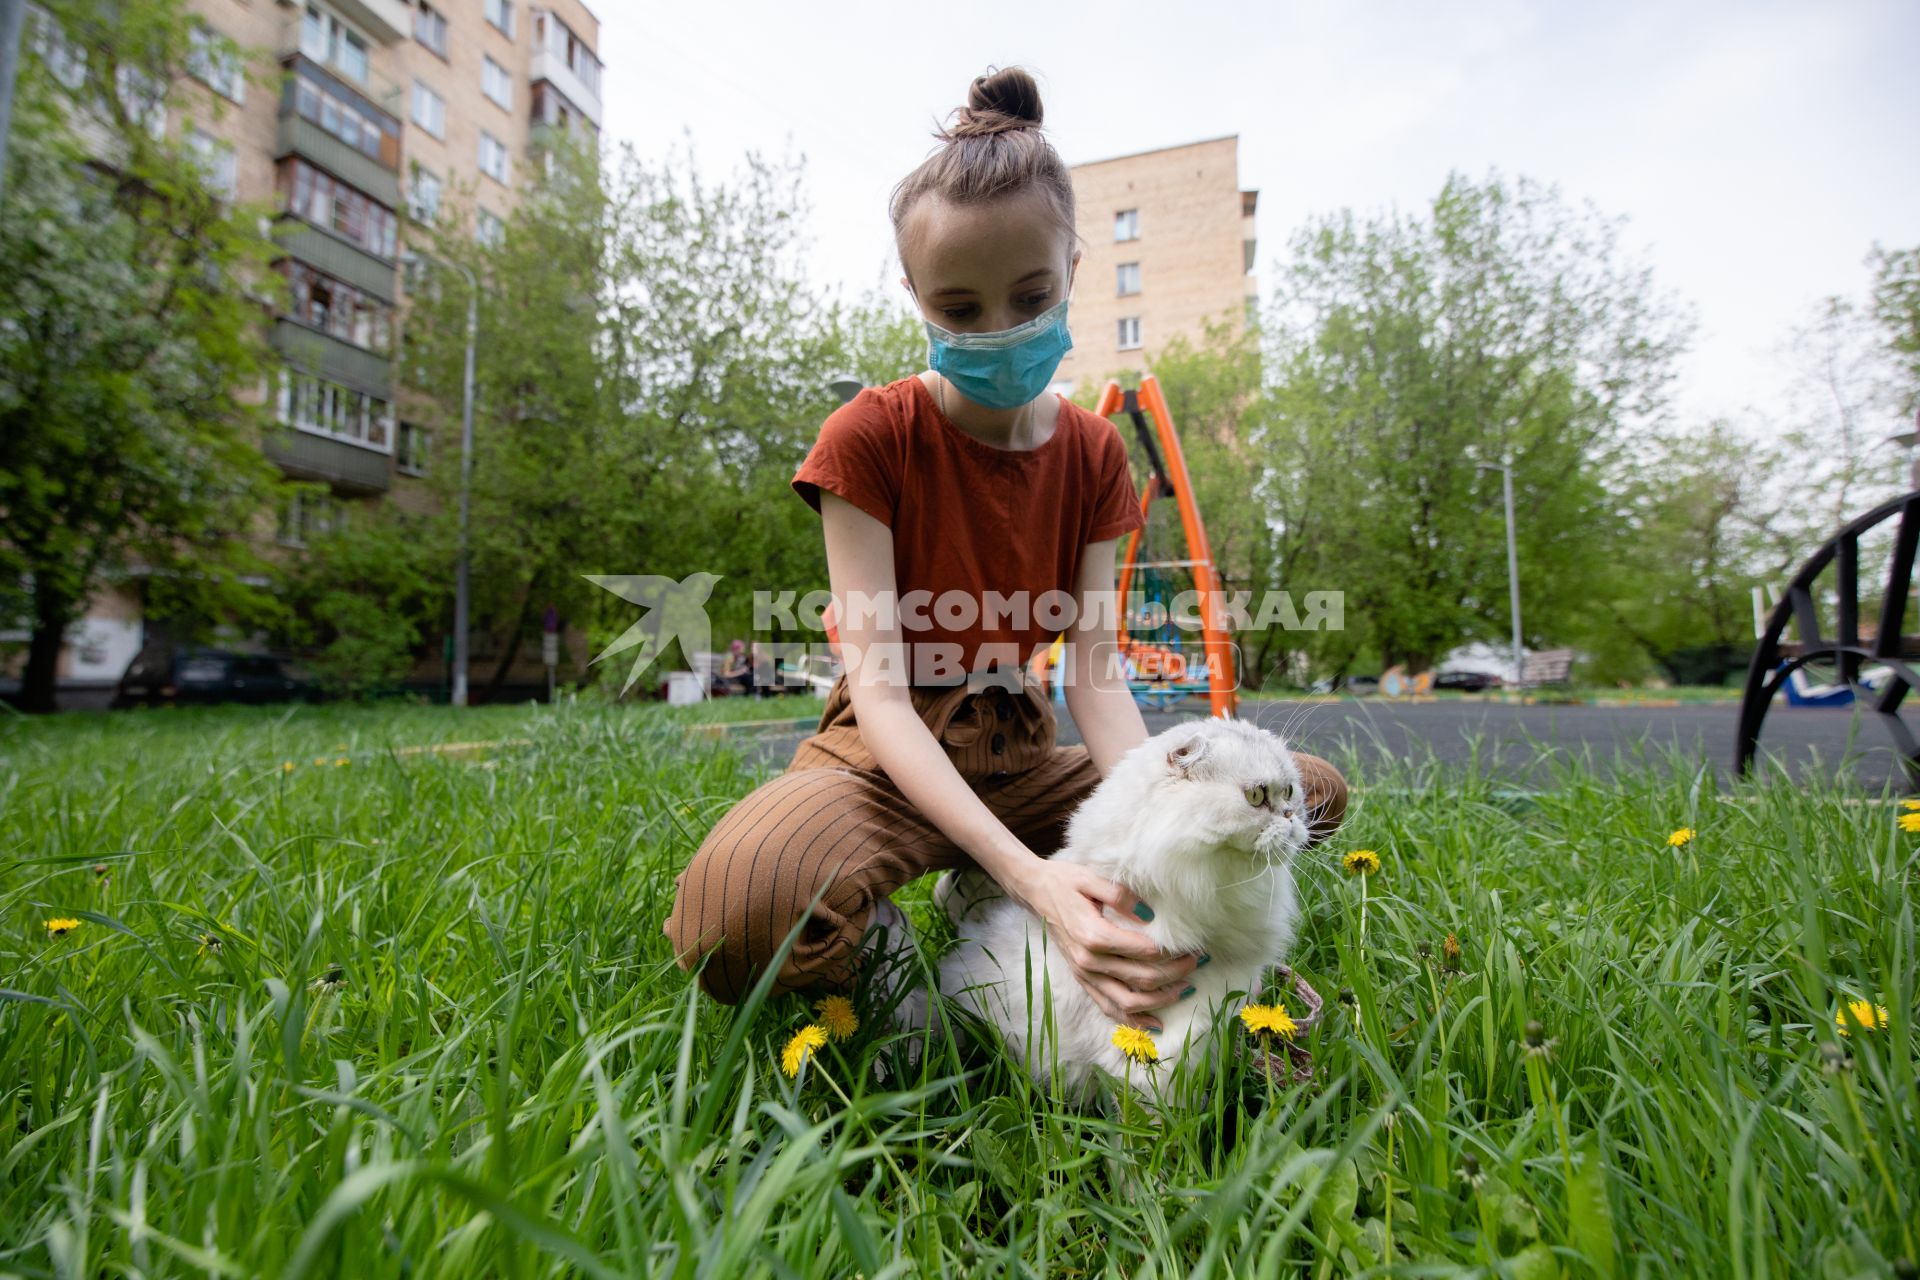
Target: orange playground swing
[1164,664]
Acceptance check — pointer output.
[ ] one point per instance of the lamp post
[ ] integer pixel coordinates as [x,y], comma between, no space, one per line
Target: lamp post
[846,386]
[1910,441]
[13,18]
[461,590]
[1505,468]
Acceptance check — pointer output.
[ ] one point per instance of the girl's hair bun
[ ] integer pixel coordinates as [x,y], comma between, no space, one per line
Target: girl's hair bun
[997,102]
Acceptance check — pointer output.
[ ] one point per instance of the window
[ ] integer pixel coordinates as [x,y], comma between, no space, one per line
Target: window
[311,403]
[218,161]
[310,515]
[1129,278]
[500,14]
[1129,333]
[488,229]
[216,64]
[328,202]
[429,110]
[65,60]
[338,308]
[557,38]
[143,97]
[344,118]
[1126,225]
[493,157]
[496,83]
[326,39]
[410,452]
[430,28]
[423,195]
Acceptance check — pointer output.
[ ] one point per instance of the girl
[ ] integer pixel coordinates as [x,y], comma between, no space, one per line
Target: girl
[966,482]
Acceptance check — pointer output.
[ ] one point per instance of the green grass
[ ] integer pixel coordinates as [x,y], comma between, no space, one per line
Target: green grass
[508,1076]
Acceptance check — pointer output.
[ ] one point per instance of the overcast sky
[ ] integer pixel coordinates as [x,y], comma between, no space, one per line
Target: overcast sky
[1758,150]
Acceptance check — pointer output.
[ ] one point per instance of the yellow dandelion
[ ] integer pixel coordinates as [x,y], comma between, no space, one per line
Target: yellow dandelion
[286,766]
[1680,837]
[1911,806]
[801,1047]
[337,763]
[1910,822]
[1361,862]
[1860,1013]
[61,926]
[1135,1043]
[319,759]
[1271,1018]
[836,1017]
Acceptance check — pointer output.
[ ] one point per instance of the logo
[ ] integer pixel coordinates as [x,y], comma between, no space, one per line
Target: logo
[670,611]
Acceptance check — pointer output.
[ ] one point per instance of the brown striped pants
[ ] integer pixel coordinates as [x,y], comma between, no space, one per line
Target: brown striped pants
[834,818]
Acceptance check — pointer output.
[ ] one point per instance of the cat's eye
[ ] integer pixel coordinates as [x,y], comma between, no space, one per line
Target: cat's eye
[1257,796]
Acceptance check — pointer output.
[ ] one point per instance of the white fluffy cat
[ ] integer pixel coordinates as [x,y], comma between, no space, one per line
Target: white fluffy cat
[1201,822]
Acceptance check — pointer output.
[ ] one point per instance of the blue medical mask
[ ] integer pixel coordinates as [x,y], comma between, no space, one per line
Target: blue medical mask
[1006,369]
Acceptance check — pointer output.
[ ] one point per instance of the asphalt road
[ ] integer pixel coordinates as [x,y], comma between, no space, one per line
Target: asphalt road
[1522,744]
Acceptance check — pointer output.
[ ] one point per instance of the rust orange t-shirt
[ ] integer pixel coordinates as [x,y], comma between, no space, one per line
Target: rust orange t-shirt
[970,518]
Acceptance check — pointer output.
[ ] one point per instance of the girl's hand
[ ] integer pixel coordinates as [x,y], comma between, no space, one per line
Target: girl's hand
[1124,971]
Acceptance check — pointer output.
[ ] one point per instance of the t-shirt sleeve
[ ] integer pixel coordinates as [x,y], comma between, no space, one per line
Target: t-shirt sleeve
[856,458]
[1116,507]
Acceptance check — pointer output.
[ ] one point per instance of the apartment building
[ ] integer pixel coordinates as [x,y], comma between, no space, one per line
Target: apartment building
[387,111]
[353,120]
[1169,243]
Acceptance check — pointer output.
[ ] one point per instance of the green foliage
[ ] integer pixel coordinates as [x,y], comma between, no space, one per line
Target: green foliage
[651,369]
[1413,350]
[507,1074]
[1699,507]
[129,338]
[364,594]
[1896,306]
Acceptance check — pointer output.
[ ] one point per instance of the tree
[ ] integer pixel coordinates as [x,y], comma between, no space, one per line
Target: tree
[653,366]
[1409,352]
[1896,306]
[1699,511]
[129,329]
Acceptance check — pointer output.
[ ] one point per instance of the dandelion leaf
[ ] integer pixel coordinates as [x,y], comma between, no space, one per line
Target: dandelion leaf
[1589,1212]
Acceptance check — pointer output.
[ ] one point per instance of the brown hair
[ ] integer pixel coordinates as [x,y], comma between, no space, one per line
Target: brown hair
[994,150]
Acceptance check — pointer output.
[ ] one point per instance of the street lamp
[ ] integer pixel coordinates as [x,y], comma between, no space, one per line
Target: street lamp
[1505,469]
[846,386]
[1910,440]
[461,590]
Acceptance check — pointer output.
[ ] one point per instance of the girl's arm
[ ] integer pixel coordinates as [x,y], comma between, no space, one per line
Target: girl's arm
[1124,971]
[1097,695]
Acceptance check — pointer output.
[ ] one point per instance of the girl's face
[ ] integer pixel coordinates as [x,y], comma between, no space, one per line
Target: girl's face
[987,267]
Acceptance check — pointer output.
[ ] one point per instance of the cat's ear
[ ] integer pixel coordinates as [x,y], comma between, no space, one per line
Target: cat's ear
[1182,758]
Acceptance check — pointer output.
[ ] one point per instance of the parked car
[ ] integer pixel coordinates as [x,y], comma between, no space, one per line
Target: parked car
[190,675]
[1467,681]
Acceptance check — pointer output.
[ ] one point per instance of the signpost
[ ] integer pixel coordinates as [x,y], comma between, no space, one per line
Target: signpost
[550,646]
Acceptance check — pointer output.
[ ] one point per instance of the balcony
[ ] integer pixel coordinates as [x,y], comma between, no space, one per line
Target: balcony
[301,136]
[556,51]
[337,361]
[333,255]
[307,456]
[354,72]
[387,21]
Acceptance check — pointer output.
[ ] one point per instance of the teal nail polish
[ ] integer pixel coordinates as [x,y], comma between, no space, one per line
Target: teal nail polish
[1203,961]
[1186,993]
[1144,911]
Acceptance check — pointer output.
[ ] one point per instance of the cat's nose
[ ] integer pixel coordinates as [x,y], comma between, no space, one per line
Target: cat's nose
[1286,813]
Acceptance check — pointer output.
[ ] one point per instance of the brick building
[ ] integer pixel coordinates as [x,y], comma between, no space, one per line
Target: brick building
[1169,242]
[354,119]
